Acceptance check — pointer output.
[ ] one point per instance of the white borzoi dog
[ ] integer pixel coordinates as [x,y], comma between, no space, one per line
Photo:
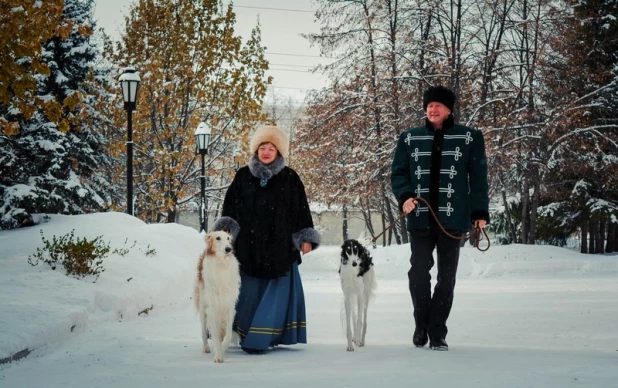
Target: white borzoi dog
[358,284]
[216,292]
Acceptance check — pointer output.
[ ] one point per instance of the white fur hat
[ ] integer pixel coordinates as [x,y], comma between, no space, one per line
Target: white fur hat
[271,134]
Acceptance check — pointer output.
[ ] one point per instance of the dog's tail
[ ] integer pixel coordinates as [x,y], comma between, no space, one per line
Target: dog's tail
[235,338]
[196,296]
[365,240]
[372,285]
[199,282]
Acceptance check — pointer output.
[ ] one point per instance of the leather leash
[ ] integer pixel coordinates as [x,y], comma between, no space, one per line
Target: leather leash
[477,233]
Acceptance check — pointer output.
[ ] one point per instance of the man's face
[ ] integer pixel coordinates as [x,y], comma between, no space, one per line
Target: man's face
[437,113]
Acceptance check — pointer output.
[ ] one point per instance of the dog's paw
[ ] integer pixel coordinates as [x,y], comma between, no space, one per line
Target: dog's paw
[206,349]
[361,344]
[218,360]
[350,348]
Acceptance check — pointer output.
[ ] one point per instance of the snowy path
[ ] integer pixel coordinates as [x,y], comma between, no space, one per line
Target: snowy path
[504,333]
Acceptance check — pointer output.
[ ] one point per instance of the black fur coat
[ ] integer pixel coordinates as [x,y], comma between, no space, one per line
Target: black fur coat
[270,207]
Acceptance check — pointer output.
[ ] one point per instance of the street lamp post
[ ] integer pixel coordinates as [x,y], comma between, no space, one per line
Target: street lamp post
[129,80]
[202,133]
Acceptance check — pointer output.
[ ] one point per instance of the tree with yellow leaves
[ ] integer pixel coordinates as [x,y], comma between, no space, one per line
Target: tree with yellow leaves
[50,145]
[24,27]
[193,68]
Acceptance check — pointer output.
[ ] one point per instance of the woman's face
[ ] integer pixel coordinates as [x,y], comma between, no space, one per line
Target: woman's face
[267,153]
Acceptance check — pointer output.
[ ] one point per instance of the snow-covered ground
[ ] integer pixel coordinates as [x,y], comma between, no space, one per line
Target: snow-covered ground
[524,316]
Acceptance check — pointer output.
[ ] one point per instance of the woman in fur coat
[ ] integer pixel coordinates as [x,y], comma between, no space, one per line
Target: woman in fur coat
[267,213]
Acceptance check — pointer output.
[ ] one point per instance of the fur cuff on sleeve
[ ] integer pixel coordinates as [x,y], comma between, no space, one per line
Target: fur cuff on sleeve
[227,224]
[306,235]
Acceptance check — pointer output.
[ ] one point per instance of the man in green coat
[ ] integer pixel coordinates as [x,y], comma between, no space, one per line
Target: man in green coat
[445,164]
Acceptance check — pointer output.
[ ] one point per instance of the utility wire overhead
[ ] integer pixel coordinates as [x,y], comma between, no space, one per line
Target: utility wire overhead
[288,64]
[294,70]
[299,55]
[274,9]
[287,87]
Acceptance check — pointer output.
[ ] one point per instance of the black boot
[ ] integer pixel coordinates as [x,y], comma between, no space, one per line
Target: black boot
[420,337]
[438,344]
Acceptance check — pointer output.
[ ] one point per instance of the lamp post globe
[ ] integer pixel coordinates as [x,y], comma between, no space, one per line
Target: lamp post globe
[202,133]
[129,80]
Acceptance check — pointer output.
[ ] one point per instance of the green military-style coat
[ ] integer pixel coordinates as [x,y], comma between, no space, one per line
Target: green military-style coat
[462,179]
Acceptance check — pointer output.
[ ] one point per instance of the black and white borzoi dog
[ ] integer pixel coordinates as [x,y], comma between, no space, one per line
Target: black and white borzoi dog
[216,292]
[358,284]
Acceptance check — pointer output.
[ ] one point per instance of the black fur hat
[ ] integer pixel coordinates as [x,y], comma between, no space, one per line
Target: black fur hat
[439,94]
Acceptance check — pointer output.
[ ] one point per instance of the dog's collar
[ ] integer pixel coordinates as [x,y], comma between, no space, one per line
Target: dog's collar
[265,171]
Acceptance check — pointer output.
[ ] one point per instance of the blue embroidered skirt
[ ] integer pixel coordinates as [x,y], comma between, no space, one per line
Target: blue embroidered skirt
[271,312]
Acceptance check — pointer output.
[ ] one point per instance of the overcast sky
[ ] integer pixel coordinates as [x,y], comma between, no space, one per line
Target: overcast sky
[282,21]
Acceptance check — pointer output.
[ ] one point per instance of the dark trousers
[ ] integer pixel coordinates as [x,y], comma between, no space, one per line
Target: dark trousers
[433,311]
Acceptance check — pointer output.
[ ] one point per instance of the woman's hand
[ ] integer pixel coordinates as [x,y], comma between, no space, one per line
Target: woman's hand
[305,248]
